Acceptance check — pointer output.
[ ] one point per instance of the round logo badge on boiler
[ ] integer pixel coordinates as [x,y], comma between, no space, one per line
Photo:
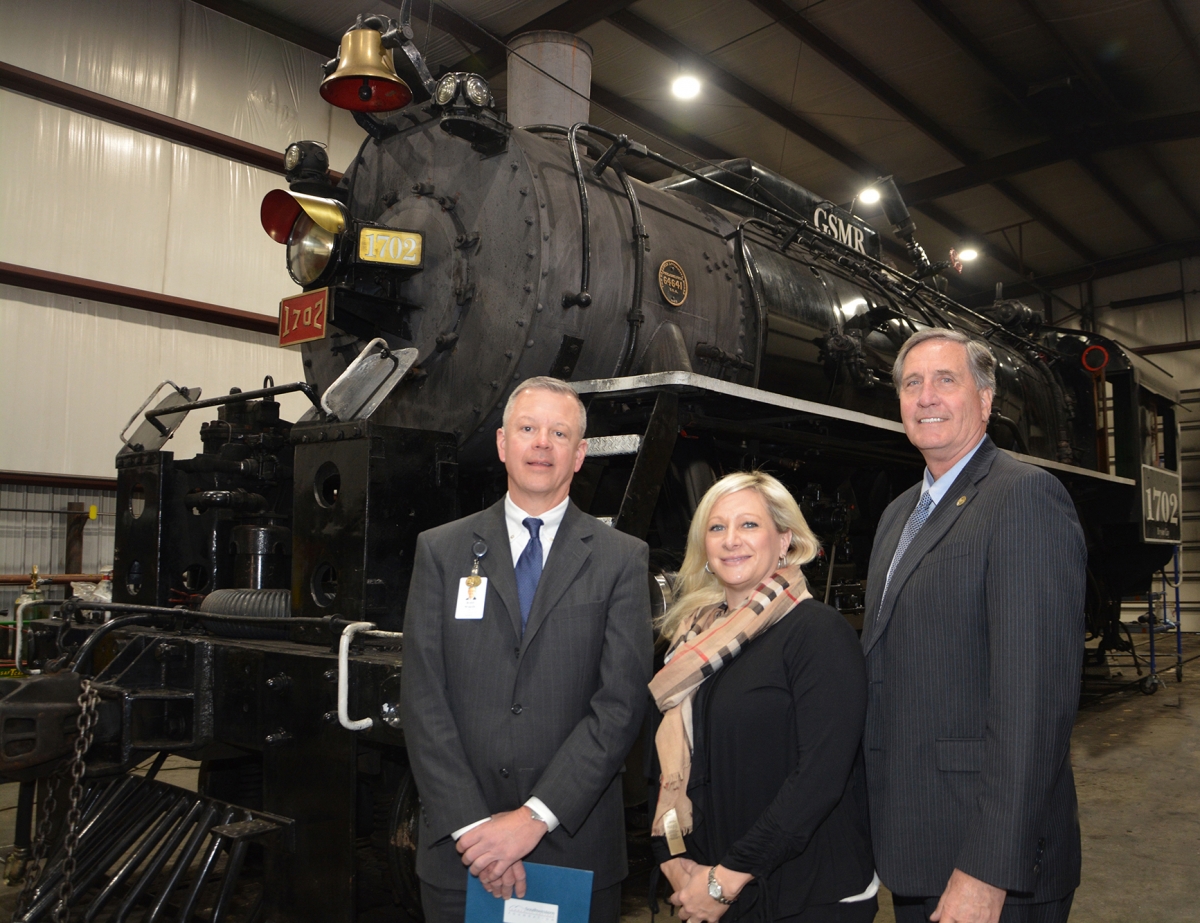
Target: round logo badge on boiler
[672,282]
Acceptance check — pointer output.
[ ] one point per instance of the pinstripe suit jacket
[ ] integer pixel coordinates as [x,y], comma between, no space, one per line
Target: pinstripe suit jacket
[491,717]
[973,665]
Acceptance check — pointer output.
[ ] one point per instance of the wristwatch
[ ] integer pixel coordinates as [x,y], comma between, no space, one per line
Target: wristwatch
[715,891]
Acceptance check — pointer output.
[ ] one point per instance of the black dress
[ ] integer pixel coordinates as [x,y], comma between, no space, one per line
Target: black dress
[777,780]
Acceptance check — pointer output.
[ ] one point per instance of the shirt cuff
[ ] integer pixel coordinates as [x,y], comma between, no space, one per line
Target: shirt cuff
[539,808]
[461,830]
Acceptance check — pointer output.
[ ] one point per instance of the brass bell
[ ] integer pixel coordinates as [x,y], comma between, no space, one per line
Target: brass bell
[365,79]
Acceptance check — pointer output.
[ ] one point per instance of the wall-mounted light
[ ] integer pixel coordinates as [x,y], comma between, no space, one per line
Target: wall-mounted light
[869,196]
[685,87]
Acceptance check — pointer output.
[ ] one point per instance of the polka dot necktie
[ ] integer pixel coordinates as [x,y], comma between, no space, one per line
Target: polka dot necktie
[917,519]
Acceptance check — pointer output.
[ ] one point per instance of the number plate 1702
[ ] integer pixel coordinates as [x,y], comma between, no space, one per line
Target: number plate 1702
[396,248]
[302,317]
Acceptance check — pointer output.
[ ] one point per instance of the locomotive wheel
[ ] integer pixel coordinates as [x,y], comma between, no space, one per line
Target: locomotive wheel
[388,889]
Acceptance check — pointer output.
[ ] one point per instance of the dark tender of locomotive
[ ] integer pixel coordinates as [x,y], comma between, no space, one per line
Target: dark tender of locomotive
[719,319]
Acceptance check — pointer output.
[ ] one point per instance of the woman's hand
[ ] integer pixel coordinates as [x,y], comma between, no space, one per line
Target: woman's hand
[678,871]
[693,901]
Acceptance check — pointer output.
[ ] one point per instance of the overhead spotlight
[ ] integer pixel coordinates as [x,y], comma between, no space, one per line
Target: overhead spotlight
[685,87]
[968,254]
[869,196]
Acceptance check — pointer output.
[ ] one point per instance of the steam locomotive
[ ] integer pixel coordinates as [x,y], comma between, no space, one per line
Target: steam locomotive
[720,319]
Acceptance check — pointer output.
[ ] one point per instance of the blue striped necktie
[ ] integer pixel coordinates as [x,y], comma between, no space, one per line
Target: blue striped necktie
[917,519]
[529,569]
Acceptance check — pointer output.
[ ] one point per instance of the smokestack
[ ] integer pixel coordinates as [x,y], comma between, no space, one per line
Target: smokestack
[539,64]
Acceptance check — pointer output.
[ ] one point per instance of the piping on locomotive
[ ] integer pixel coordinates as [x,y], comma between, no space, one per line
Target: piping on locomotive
[718,319]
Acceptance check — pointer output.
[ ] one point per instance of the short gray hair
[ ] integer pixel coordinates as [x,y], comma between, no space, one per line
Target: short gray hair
[980,360]
[546,383]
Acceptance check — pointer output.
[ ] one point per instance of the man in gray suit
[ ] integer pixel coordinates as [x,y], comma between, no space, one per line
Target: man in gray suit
[974,644]
[523,688]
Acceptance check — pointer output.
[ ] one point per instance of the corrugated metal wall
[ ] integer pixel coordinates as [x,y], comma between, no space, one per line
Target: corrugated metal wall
[91,199]
[33,530]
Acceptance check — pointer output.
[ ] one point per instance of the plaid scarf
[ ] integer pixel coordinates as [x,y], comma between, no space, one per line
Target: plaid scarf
[712,639]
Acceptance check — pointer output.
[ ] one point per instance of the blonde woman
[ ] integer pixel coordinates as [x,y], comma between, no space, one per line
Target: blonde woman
[761,811]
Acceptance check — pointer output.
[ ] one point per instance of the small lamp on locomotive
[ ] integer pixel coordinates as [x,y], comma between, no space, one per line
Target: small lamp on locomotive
[362,78]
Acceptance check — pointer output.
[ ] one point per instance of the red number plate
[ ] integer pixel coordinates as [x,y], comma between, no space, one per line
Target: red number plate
[302,317]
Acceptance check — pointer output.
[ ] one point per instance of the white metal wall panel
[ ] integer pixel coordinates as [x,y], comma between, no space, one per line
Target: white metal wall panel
[345,138]
[126,49]
[243,82]
[87,198]
[74,371]
[216,250]
[29,535]
[82,196]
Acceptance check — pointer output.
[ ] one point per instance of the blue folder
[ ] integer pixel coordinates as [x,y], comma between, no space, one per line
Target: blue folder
[553,894]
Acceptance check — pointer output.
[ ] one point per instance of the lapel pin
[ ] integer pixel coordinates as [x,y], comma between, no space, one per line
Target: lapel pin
[961,500]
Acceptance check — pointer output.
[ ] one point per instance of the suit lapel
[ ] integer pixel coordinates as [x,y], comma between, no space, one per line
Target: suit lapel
[497,564]
[944,515]
[570,549]
[881,556]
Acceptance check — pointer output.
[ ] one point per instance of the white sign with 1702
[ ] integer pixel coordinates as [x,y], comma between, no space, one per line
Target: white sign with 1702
[1162,502]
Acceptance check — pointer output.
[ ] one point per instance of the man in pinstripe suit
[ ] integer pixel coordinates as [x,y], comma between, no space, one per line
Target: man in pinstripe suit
[518,713]
[974,645]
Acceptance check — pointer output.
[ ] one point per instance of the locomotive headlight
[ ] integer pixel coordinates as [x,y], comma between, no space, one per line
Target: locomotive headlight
[309,250]
[477,90]
[444,92]
[310,227]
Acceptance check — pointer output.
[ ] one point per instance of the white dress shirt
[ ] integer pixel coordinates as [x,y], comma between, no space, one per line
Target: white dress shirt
[518,538]
[518,535]
[937,489]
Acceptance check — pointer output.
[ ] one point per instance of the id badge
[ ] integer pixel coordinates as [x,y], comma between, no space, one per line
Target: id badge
[472,591]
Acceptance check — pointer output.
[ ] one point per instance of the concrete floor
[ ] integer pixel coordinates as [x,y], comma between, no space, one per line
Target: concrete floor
[1137,772]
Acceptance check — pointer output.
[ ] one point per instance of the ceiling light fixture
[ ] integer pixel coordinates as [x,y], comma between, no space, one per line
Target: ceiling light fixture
[968,254]
[685,87]
[869,196]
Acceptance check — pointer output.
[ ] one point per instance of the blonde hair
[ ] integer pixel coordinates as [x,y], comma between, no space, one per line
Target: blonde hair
[695,587]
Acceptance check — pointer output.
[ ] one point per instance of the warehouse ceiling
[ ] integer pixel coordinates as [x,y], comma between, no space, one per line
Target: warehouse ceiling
[1060,138]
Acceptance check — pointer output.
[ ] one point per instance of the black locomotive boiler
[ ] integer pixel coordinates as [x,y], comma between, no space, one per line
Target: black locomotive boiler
[719,319]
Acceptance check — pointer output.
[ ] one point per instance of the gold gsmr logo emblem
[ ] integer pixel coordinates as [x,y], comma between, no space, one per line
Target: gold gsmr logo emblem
[672,282]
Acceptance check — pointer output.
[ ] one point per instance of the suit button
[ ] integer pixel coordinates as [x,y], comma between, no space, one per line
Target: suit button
[516,709]
[504,773]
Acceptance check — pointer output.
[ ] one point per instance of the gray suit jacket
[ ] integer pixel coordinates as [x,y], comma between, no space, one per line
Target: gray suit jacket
[973,665]
[491,717]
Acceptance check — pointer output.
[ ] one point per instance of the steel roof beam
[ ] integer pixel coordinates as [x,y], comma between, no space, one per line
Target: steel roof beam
[1100,89]
[1018,93]
[665,44]
[1179,127]
[1183,30]
[1139,259]
[850,65]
